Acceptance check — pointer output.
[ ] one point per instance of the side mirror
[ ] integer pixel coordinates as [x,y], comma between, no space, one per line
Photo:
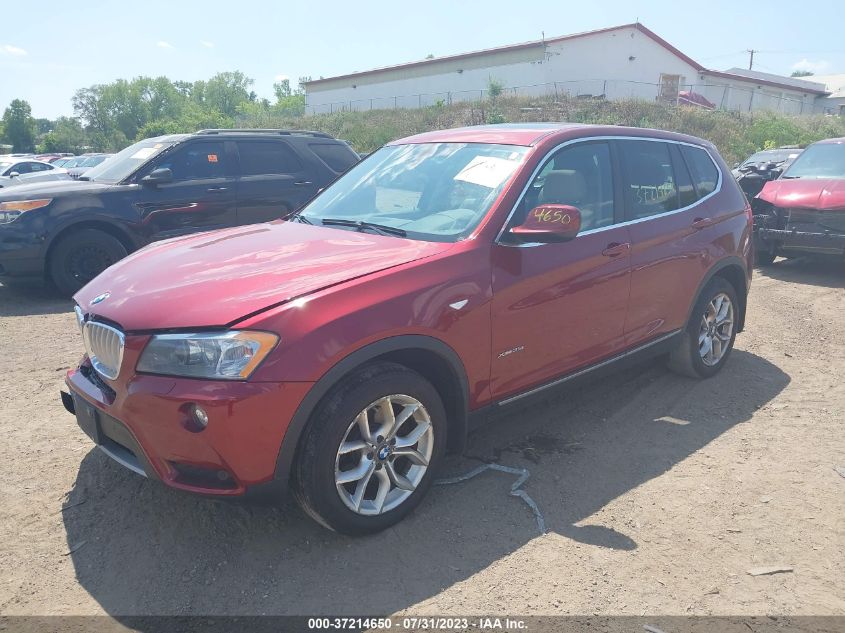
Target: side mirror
[549,223]
[158,176]
[14,174]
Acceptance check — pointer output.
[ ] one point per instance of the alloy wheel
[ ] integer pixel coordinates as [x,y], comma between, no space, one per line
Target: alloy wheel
[717,323]
[384,454]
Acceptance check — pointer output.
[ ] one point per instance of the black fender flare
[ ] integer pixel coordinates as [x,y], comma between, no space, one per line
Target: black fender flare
[401,343]
[90,221]
[726,262]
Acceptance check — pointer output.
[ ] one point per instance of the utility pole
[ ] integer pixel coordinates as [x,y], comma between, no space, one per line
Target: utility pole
[751,61]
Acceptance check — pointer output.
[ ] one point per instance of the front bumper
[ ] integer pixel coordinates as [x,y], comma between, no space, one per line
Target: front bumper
[145,425]
[801,229]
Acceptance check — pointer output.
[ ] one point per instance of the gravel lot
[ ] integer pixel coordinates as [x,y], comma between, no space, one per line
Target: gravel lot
[659,494]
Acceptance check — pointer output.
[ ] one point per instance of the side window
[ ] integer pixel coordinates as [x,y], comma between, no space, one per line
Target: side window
[259,158]
[579,175]
[686,189]
[337,156]
[196,161]
[650,187]
[22,168]
[705,174]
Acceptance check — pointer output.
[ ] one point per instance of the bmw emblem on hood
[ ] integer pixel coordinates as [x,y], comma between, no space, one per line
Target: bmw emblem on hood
[99,298]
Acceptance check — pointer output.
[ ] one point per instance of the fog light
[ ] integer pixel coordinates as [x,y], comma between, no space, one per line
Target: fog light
[199,415]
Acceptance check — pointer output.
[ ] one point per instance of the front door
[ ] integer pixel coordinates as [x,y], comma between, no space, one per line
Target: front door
[559,307]
[201,196]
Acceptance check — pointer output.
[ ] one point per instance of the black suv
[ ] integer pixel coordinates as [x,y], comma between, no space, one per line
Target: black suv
[70,231]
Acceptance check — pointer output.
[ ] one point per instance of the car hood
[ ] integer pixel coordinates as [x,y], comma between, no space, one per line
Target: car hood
[824,194]
[217,278]
[51,188]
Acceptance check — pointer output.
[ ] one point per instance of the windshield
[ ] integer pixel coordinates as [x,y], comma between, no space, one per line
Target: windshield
[824,160]
[125,162]
[431,191]
[92,161]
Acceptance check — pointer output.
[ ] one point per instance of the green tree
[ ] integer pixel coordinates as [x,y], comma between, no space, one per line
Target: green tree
[19,126]
[225,92]
[67,135]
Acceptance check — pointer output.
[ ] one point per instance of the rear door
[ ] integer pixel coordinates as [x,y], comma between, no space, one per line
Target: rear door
[201,197]
[274,180]
[667,216]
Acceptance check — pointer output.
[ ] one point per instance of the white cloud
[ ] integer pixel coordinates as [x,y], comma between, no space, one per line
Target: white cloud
[813,66]
[207,44]
[163,44]
[14,50]
[282,77]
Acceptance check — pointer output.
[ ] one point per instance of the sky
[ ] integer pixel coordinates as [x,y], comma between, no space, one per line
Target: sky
[45,57]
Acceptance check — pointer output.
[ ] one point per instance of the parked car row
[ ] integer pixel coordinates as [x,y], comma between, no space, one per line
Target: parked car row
[798,199]
[341,351]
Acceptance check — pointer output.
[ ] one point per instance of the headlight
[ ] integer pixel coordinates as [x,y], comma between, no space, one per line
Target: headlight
[232,355]
[80,317]
[10,211]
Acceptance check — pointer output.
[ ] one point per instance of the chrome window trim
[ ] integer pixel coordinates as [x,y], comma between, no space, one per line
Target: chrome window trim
[587,139]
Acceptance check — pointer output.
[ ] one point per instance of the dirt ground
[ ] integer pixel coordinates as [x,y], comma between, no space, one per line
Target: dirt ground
[659,494]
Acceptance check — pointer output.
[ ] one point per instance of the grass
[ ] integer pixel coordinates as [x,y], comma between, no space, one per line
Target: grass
[737,135]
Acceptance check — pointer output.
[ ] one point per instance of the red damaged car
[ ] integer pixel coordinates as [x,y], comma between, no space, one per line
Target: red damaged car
[803,211]
[341,352]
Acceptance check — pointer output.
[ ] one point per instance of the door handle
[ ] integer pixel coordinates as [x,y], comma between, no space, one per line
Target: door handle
[615,249]
[702,223]
[302,183]
[217,189]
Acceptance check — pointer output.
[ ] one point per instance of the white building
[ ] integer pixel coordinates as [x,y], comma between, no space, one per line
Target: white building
[834,103]
[613,63]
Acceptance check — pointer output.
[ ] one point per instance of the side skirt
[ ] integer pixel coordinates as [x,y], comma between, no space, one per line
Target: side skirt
[655,347]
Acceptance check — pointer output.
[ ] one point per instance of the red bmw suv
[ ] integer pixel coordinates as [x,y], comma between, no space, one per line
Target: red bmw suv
[342,351]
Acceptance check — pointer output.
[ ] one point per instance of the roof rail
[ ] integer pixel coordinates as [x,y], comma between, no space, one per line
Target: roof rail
[266,131]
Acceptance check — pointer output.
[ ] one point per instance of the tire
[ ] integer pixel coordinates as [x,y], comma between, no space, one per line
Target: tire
[319,465]
[687,358]
[79,257]
[764,254]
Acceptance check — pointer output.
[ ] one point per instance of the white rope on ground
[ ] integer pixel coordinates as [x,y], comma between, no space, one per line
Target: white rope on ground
[514,492]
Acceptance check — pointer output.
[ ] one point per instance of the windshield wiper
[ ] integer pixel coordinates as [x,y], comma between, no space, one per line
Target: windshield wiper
[298,217]
[360,225]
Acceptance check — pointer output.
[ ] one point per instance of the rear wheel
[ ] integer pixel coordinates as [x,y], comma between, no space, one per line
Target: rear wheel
[709,336]
[79,257]
[371,449]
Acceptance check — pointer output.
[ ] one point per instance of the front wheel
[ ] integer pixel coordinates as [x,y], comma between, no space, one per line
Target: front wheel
[371,449]
[79,257]
[709,336]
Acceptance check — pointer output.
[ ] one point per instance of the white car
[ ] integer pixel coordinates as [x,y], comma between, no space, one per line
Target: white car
[15,170]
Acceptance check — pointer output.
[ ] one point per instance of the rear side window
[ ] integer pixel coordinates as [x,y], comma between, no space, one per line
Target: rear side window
[705,174]
[650,188]
[683,180]
[262,158]
[337,156]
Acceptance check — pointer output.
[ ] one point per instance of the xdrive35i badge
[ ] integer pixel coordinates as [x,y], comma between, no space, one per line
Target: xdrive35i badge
[99,298]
